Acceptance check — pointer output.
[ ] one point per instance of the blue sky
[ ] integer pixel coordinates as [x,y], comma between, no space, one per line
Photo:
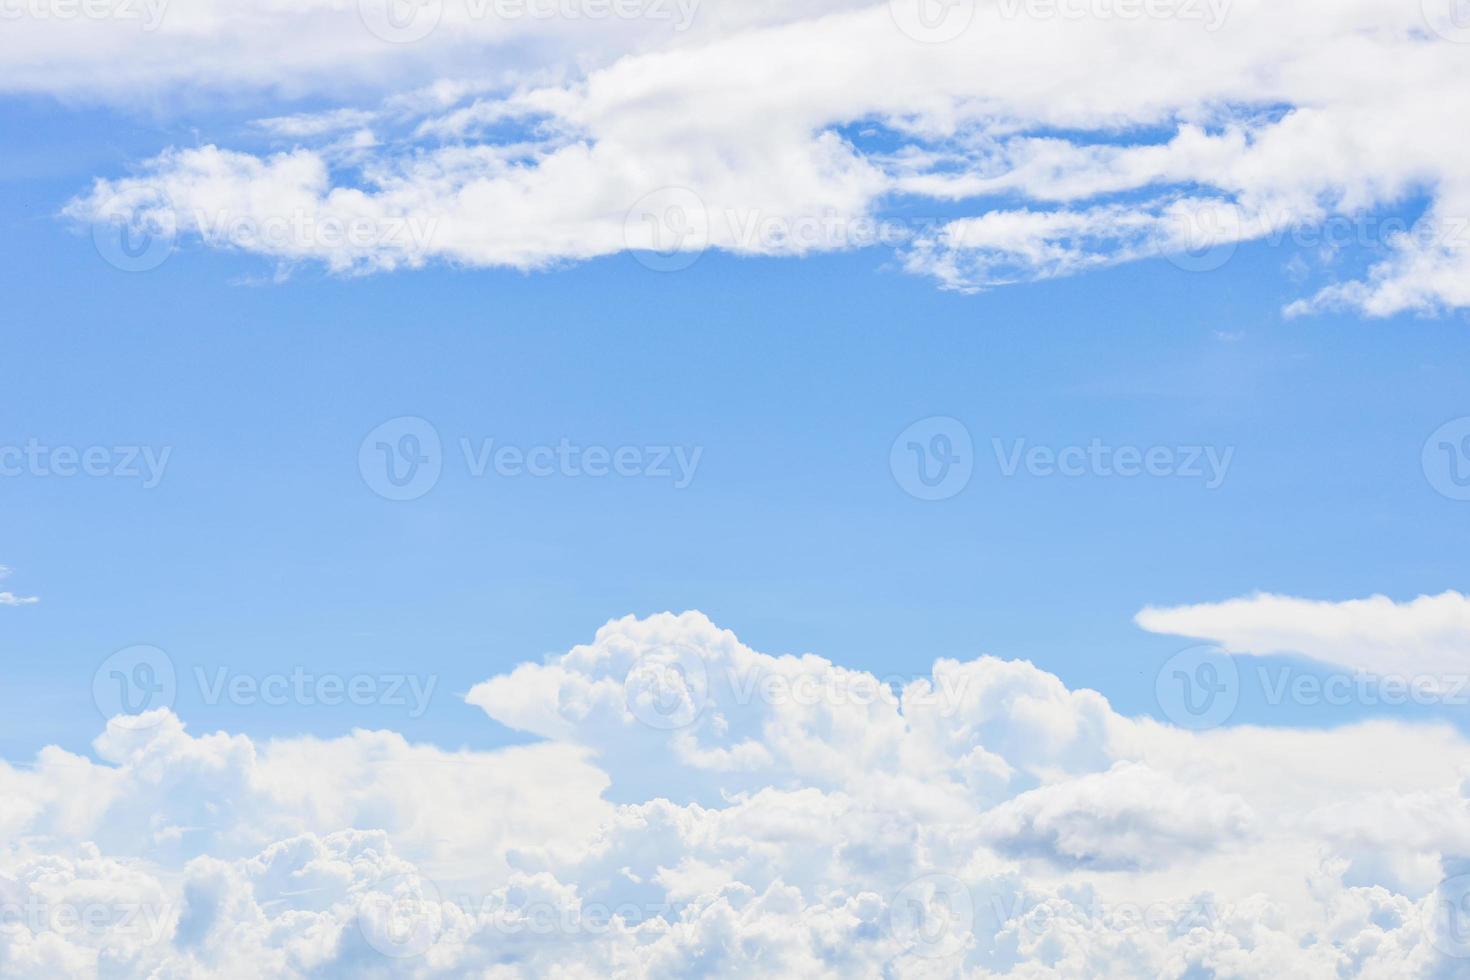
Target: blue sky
[262,545]
[701,488]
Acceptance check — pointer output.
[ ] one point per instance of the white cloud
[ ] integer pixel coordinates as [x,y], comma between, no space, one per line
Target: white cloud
[778,816]
[1128,817]
[10,598]
[1428,636]
[1037,145]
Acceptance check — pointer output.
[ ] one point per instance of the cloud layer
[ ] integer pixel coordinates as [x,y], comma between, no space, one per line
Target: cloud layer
[1428,636]
[702,809]
[1042,139]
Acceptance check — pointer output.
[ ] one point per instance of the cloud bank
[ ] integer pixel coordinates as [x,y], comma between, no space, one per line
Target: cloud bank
[1004,142]
[699,808]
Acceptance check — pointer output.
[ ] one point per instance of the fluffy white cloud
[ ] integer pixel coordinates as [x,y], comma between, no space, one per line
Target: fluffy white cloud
[1045,139]
[1427,636]
[774,815]
[1127,817]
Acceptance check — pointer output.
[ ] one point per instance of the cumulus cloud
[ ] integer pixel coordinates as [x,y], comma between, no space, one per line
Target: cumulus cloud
[1041,140]
[1426,636]
[699,808]
[1127,817]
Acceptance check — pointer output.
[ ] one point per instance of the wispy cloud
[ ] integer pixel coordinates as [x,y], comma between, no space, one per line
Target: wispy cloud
[1259,123]
[1376,634]
[10,598]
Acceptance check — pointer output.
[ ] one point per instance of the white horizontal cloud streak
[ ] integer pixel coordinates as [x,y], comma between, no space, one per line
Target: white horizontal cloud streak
[1289,114]
[10,598]
[159,52]
[780,816]
[1429,635]
[1286,115]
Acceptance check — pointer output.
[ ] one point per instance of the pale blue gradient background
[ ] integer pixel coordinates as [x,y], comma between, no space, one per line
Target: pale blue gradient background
[263,549]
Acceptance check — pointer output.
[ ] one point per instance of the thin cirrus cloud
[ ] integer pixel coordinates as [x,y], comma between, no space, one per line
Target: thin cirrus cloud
[794,820]
[1038,146]
[1428,635]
